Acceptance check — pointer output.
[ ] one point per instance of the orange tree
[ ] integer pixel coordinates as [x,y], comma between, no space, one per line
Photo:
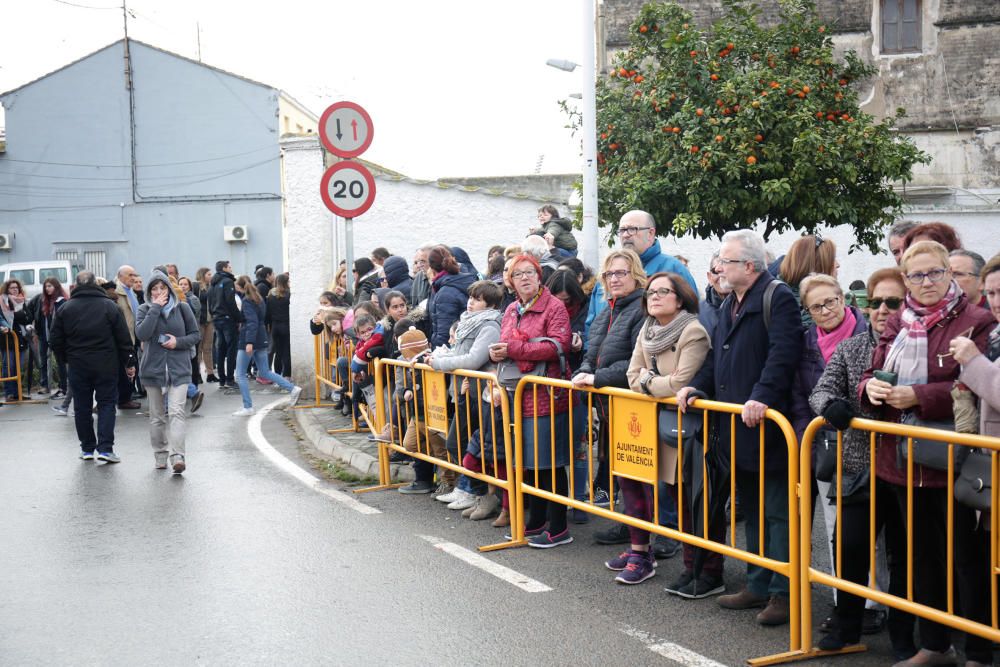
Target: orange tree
[720,128]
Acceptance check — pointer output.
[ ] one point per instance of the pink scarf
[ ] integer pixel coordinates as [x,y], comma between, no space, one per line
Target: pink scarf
[829,340]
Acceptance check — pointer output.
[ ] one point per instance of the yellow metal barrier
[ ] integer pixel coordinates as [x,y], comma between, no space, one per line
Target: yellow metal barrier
[432,425]
[810,574]
[11,355]
[327,350]
[640,413]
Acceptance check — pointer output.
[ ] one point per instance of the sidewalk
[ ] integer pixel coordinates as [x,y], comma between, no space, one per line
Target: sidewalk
[351,449]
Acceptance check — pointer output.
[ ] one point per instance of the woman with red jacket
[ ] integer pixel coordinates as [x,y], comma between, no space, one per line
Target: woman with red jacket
[915,346]
[538,314]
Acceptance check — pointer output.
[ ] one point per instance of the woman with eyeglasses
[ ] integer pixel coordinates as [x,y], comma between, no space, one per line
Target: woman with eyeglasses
[914,351]
[537,314]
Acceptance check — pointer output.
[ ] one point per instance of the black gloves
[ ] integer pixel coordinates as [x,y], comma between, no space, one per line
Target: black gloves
[839,413]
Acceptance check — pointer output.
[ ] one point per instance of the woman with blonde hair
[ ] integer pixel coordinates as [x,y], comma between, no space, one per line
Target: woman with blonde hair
[810,254]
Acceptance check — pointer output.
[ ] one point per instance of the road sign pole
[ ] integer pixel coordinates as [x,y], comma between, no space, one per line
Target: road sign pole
[349,250]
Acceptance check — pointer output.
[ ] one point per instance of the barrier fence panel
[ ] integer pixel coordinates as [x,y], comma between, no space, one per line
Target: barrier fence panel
[630,444]
[911,437]
[10,363]
[414,408]
[331,369]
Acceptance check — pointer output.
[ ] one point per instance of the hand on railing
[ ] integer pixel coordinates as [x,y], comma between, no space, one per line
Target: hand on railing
[753,412]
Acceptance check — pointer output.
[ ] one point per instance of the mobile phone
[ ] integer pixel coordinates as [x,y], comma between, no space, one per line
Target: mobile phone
[163,339]
[886,376]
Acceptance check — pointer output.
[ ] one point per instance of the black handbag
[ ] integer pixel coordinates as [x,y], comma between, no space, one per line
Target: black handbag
[974,486]
[691,425]
[928,453]
[825,454]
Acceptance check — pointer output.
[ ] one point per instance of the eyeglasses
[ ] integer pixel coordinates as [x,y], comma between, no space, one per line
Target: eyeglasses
[517,275]
[828,304]
[917,278]
[661,292]
[630,231]
[420,262]
[723,260]
[620,275]
[964,274]
[891,302]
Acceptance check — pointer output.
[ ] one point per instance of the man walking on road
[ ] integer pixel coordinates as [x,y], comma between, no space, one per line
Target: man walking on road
[753,360]
[227,317]
[128,304]
[90,334]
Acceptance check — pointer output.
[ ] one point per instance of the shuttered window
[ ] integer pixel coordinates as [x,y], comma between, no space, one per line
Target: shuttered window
[901,23]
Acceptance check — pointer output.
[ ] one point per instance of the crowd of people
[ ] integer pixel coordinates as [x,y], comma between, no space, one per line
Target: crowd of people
[116,342]
[765,333]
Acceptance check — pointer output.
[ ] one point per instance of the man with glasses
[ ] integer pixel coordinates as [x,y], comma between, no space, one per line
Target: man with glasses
[753,362]
[966,266]
[896,237]
[128,304]
[421,288]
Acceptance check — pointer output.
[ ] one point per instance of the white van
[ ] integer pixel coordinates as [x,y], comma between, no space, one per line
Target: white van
[33,274]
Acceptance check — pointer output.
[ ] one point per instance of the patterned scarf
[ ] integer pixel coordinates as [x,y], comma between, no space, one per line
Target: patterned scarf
[470,323]
[908,352]
[522,309]
[9,306]
[656,337]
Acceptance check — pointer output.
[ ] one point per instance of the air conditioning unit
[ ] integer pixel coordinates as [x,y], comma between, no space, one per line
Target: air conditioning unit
[6,241]
[236,233]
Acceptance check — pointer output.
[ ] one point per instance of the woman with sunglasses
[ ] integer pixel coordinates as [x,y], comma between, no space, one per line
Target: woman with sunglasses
[834,396]
[914,349]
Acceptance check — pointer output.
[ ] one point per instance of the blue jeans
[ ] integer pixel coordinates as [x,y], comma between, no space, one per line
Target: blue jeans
[259,358]
[761,581]
[667,507]
[86,385]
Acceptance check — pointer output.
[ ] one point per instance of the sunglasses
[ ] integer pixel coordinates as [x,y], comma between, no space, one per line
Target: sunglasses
[891,302]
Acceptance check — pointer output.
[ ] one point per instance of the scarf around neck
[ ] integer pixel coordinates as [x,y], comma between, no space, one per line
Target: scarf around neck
[9,305]
[908,353]
[657,338]
[829,340]
[470,323]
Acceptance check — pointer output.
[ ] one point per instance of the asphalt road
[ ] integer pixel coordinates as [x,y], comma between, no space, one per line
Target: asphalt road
[240,562]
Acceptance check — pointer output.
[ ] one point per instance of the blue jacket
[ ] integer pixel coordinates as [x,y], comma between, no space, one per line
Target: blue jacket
[397,274]
[749,361]
[653,261]
[449,299]
[252,329]
[463,260]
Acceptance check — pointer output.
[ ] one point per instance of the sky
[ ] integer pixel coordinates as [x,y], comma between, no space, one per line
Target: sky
[453,88]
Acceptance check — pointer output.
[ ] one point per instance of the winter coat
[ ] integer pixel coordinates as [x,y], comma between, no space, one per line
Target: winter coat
[982,376]
[158,366]
[43,322]
[547,318]
[934,398]
[810,369]
[577,325]
[194,303]
[263,287]
[449,299]
[612,339]
[471,352]
[222,297]
[252,328]
[464,261]
[708,309]
[90,333]
[397,275]
[675,366]
[562,233]
[420,290]
[126,309]
[840,379]
[277,309]
[653,261]
[205,315]
[750,361]
[366,286]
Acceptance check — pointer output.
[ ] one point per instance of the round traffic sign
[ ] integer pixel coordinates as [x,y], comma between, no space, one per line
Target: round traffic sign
[348,189]
[346,129]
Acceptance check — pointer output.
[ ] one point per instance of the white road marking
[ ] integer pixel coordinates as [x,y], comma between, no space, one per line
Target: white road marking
[499,571]
[260,442]
[671,651]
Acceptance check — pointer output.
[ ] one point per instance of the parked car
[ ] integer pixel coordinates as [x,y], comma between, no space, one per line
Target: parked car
[33,274]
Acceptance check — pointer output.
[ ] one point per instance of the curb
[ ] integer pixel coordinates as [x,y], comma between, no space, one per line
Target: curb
[360,462]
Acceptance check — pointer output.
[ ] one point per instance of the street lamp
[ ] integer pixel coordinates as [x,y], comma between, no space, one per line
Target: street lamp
[589,113]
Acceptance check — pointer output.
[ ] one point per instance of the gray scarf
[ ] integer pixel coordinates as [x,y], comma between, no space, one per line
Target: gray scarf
[657,338]
[469,323]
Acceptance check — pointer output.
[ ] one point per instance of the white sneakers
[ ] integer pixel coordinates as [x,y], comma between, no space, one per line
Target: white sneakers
[244,412]
[462,500]
[293,396]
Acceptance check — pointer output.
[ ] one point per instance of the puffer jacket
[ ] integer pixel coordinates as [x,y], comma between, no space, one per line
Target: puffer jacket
[471,351]
[158,366]
[397,275]
[252,329]
[547,318]
[612,340]
[449,299]
[562,233]
[366,286]
[464,261]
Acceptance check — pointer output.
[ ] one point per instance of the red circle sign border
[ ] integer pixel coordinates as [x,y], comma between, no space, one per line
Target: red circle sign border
[329,144]
[324,185]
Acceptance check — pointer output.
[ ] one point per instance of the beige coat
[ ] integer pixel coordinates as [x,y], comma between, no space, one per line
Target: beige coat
[126,310]
[677,365]
[983,377]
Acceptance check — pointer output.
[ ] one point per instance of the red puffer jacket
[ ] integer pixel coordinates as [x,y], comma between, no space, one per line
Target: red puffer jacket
[547,318]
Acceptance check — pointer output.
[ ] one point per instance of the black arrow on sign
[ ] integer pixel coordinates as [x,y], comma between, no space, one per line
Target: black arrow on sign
[339,135]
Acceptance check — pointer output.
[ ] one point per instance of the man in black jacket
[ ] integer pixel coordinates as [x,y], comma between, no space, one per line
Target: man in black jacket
[90,334]
[227,317]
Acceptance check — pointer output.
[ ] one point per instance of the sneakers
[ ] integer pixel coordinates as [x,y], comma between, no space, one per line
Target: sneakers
[619,562]
[108,457]
[243,412]
[685,578]
[449,497]
[60,410]
[528,532]
[742,600]
[665,547]
[578,516]
[546,540]
[416,486]
[874,621]
[833,641]
[177,464]
[776,612]
[639,568]
[486,507]
[616,534]
[443,489]
[601,498]
[196,401]
[161,460]
[86,456]
[463,501]
[293,395]
[58,393]
[704,586]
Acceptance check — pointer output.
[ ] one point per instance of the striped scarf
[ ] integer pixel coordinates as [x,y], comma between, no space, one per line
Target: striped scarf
[908,352]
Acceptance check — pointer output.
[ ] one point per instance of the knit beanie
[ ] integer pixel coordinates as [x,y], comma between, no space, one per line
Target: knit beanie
[412,342]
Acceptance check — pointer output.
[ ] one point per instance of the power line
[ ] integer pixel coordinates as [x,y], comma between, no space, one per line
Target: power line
[73,4]
[129,166]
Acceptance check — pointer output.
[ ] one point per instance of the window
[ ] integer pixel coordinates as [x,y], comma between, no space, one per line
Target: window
[56,272]
[94,261]
[901,21]
[26,276]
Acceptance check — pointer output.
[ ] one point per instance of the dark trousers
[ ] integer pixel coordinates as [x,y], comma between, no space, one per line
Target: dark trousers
[281,349]
[226,339]
[123,387]
[540,509]
[761,581]
[86,385]
[712,562]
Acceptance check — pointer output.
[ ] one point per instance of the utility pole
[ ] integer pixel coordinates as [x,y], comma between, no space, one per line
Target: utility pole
[198,28]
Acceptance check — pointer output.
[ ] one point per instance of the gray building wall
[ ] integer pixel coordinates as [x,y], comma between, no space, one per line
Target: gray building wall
[206,156]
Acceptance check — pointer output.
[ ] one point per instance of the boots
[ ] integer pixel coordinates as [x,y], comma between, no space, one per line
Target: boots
[487,507]
[503,520]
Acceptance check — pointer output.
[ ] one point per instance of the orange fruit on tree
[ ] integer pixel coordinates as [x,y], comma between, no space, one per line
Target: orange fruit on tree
[714,77]
[639,78]
[758,137]
[699,112]
[613,147]
[643,28]
[806,89]
[751,160]
[694,149]
[719,138]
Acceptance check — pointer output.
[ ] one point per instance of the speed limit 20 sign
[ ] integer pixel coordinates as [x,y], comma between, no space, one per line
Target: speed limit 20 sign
[348,189]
